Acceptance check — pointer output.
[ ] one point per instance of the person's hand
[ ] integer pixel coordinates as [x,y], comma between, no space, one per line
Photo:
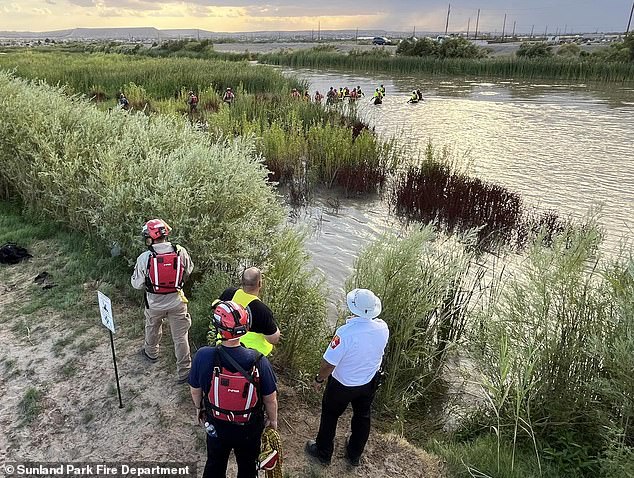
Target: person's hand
[200,415]
[270,424]
[317,386]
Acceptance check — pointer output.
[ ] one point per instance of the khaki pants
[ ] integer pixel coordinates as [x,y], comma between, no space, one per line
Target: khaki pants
[179,321]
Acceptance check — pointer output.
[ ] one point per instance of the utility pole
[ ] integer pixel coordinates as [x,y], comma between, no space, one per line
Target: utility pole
[198,34]
[503,27]
[447,24]
[475,37]
[630,20]
[414,33]
[319,30]
[356,36]
[546,33]
[532,30]
[565,28]
[514,22]
[468,26]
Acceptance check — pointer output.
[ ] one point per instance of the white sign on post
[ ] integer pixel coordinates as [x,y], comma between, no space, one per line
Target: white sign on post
[105,308]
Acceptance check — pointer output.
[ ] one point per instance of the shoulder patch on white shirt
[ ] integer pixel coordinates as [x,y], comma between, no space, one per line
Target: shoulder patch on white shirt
[334,343]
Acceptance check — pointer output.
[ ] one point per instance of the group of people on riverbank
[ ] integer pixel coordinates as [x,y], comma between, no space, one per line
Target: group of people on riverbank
[232,383]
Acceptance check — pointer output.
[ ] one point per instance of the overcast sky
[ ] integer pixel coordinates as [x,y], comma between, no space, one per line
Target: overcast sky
[250,15]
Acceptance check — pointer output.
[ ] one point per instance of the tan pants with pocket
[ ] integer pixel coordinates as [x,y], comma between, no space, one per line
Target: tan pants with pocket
[180,322]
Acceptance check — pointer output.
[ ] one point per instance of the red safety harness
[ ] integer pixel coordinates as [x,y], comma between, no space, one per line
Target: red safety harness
[166,272]
[234,396]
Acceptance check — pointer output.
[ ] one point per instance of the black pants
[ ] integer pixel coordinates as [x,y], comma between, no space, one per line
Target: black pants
[243,440]
[335,401]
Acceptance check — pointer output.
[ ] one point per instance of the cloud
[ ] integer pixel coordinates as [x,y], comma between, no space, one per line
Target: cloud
[41,11]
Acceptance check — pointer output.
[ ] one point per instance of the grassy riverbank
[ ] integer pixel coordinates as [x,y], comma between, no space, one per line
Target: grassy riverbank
[504,67]
[56,368]
[301,142]
[549,340]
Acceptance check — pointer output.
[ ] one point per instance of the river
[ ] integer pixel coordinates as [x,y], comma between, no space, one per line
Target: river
[566,147]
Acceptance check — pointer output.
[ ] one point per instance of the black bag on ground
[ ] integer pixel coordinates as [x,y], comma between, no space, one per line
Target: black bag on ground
[11,253]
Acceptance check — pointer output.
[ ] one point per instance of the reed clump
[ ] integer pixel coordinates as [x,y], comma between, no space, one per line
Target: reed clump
[425,287]
[553,350]
[161,78]
[434,191]
[583,68]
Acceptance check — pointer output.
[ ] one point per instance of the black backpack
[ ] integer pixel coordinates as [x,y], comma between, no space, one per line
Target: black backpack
[11,253]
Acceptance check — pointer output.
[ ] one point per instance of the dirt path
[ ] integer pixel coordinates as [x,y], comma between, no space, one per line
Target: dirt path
[59,402]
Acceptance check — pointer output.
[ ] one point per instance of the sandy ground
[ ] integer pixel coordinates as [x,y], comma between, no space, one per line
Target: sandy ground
[69,360]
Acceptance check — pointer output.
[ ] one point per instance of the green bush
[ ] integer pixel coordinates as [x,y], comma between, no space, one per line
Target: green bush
[569,50]
[448,48]
[534,50]
[106,174]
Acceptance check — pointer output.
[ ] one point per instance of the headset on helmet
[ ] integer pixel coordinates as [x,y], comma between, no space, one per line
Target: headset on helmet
[230,319]
[155,229]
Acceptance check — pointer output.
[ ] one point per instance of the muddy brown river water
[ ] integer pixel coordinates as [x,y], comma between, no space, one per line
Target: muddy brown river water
[563,146]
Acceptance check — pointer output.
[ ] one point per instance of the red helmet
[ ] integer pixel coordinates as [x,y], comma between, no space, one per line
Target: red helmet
[155,229]
[231,320]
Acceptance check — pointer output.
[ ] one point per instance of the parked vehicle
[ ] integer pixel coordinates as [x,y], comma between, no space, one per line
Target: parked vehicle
[380,41]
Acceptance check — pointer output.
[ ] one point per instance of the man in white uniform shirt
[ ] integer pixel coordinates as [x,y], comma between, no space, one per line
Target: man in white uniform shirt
[351,364]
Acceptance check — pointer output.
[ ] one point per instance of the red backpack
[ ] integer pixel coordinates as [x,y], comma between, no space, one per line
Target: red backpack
[166,272]
[234,396]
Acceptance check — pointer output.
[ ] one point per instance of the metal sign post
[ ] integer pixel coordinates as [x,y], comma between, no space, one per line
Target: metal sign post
[105,309]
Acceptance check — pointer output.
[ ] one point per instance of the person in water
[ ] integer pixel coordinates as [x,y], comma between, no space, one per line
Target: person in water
[420,95]
[382,90]
[377,98]
[413,98]
[331,96]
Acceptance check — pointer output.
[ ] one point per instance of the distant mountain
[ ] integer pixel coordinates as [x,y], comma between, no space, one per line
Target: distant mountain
[150,33]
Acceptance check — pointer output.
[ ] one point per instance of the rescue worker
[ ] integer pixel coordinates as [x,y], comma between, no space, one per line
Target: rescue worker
[377,98]
[351,364]
[359,92]
[161,271]
[224,369]
[229,96]
[318,97]
[123,102]
[264,332]
[382,90]
[331,96]
[192,102]
[413,98]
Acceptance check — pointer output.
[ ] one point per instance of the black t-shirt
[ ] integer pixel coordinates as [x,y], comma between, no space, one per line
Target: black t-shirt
[262,320]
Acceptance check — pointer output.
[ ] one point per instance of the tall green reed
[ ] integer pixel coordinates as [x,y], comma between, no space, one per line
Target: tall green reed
[425,287]
[508,67]
[546,347]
